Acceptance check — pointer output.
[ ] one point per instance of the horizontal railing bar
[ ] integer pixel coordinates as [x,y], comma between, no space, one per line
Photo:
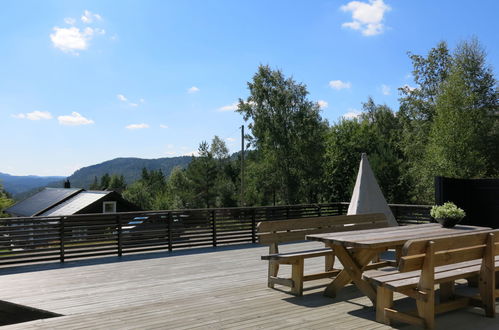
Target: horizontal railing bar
[17,262]
[146,249]
[90,255]
[39,239]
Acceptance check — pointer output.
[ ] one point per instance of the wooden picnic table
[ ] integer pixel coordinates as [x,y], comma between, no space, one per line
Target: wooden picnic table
[356,249]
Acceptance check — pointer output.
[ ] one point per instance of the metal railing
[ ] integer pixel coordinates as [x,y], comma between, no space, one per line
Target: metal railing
[44,239]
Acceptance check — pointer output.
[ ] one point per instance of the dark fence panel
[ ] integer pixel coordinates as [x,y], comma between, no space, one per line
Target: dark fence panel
[42,239]
[411,214]
[478,197]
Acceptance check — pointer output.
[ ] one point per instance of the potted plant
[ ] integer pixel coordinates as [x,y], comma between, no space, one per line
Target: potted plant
[448,215]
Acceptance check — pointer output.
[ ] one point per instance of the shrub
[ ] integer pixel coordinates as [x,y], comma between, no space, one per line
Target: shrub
[448,210]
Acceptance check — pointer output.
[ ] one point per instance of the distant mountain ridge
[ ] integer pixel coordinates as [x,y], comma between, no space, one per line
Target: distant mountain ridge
[18,184]
[130,168]
[21,187]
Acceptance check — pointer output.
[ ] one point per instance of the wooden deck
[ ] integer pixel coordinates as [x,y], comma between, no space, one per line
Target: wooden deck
[211,288]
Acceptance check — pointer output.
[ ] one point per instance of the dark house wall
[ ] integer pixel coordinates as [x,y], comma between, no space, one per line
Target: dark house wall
[121,204]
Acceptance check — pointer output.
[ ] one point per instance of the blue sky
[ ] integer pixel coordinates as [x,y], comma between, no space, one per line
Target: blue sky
[82,82]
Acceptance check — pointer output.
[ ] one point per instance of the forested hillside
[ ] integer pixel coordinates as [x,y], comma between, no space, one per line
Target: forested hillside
[15,185]
[129,168]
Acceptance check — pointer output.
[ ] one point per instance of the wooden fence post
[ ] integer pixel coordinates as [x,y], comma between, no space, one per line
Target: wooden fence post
[214,224]
[253,225]
[396,209]
[61,238]
[120,235]
[169,228]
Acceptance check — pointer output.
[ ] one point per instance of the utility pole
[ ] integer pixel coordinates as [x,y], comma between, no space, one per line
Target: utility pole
[242,165]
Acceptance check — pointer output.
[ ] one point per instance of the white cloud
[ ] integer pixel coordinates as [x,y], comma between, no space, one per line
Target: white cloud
[70,21]
[338,84]
[231,139]
[366,17]
[386,90]
[137,126]
[71,40]
[163,126]
[88,17]
[351,114]
[192,90]
[35,115]
[322,104]
[75,119]
[122,98]
[230,107]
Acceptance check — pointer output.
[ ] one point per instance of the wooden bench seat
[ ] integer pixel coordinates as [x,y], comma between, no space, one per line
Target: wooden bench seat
[273,233]
[440,261]
[291,256]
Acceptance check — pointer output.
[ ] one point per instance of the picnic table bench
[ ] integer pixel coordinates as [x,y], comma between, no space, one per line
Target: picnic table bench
[275,232]
[356,249]
[425,263]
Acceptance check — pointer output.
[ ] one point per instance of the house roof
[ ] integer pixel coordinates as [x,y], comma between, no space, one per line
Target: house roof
[76,203]
[41,201]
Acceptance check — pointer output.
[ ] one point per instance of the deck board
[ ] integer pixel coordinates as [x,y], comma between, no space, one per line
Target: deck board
[211,288]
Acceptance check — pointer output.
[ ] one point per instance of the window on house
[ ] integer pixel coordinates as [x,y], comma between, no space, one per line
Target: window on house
[109,207]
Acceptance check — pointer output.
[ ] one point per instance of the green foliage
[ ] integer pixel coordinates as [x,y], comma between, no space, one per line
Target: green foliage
[104,181]
[5,202]
[288,133]
[109,182]
[449,121]
[208,181]
[448,210]
[211,177]
[117,183]
[479,81]
[139,194]
[179,188]
[456,147]
[377,133]
[149,193]
[202,172]
[95,184]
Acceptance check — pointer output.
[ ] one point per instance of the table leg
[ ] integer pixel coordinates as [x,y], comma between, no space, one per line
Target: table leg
[353,263]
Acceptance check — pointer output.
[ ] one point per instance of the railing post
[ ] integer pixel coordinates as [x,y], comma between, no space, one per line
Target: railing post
[61,239]
[214,224]
[319,211]
[396,213]
[169,227]
[120,235]
[253,225]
